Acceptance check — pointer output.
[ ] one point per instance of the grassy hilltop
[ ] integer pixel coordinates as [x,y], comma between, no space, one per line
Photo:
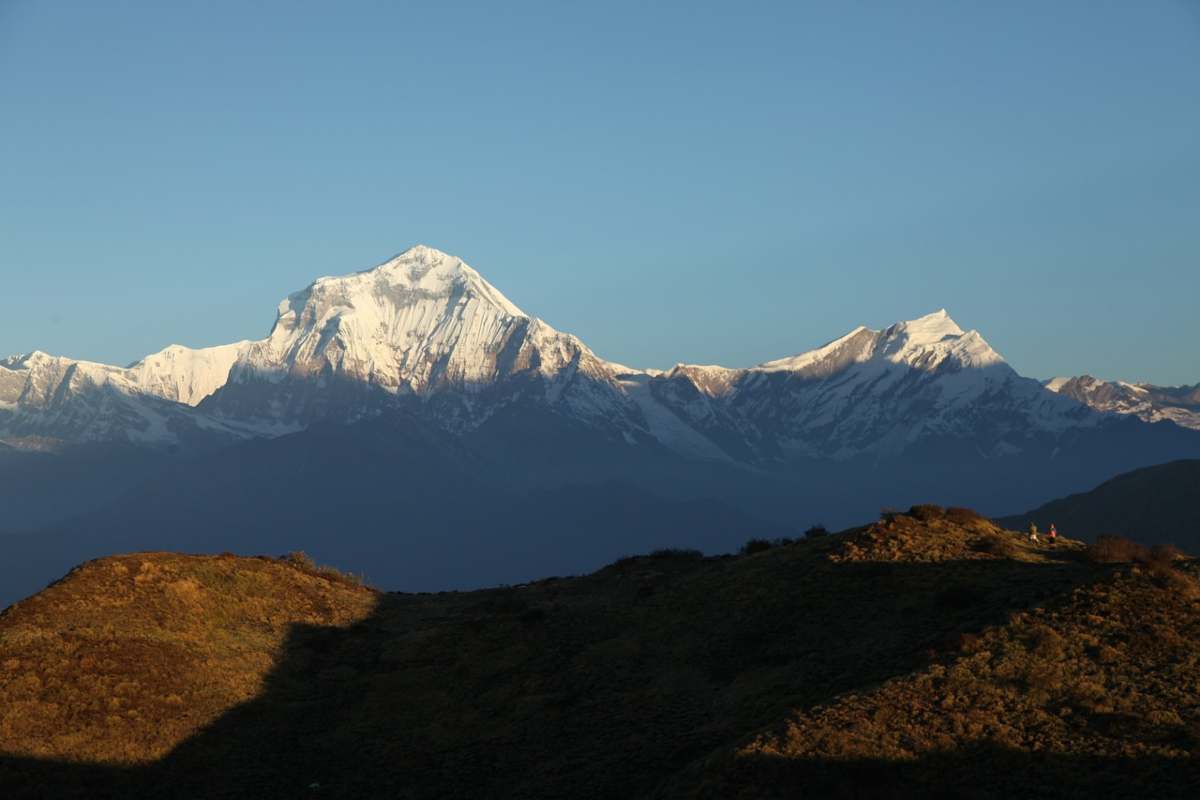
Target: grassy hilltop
[931,654]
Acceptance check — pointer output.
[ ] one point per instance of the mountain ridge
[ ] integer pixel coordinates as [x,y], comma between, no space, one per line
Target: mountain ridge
[425,324]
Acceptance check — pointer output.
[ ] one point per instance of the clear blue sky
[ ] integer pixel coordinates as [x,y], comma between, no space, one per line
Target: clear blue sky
[702,182]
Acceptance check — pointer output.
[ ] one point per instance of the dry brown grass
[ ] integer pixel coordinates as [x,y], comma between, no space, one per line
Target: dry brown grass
[128,656]
[1116,549]
[1113,673]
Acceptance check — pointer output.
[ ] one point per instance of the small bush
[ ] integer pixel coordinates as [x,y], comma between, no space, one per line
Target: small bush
[335,574]
[1166,553]
[816,531]
[684,553]
[1047,643]
[1166,576]
[1116,549]
[300,559]
[927,512]
[964,516]
[998,545]
[755,546]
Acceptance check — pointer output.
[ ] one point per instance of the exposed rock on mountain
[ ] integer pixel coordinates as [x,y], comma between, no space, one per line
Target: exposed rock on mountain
[1178,404]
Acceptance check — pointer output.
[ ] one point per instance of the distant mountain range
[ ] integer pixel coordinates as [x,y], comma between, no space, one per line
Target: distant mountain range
[413,420]
[426,334]
[1178,404]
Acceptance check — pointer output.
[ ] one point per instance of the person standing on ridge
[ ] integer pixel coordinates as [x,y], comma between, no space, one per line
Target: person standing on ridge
[1053,534]
[1032,532]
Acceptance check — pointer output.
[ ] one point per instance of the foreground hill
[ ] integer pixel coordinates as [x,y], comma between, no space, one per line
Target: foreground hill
[935,638]
[1159,504]
[127,656]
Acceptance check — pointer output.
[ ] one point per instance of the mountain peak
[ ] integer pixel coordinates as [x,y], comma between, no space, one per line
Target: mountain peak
[421,319]
[419,260]
[928,340]
[929,329]
[420,270]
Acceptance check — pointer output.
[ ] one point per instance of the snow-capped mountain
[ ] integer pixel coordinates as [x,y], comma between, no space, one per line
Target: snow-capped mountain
[866,392]
[422,327]
[1178,404]
[425,333]
[423,330]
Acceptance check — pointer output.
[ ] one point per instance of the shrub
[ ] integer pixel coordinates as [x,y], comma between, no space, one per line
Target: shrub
[816,531]
[1166,553]
[677,552]
[927,512]
[1047,643]
[998,545]
[755,546]
[301,560]
[964,516]
[1166,576]
[335,574]
[1116,549]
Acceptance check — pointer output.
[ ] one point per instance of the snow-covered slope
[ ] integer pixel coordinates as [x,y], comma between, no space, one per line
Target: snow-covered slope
[1178,404]
[184,375]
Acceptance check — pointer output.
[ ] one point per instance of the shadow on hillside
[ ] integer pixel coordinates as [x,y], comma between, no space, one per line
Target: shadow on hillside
[605,686]
[983,772]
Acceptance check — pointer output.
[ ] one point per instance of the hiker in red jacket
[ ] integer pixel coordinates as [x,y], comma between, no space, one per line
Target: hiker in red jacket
[1053,534]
